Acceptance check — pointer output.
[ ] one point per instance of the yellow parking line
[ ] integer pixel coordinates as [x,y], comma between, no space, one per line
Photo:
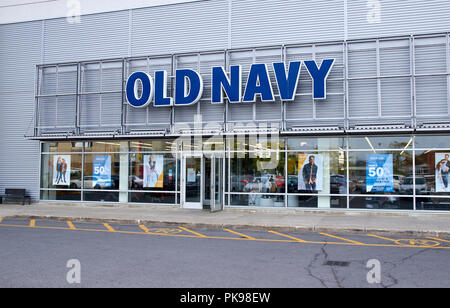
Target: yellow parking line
[71,226]
[381,237]
[288,236]
[109,227]
[193,232]
[293,239]
[32,223]
[344,239]
[240,234]
[144,228]
[438,239]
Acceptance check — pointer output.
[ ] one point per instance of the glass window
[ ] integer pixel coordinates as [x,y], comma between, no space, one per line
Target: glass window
[255,143]
[433,203]
[62,147]
[102,171]
[257,200]
[432,142]
[314,144]
[150,197]
[432,172]
[61,195]
[375,143]
[152,172]
[381,202]
[61,171]
[152,145]
[317,201]
[247,172]
[102,146]
[319,172]
[380,172]
[261,178]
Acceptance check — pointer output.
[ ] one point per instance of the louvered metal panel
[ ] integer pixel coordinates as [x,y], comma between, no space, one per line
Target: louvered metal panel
[275,22]
[179,28]
[394,57]
[396,17]
[396,97]
[210,112]
[431,96]
[363,101]
[244,111]
[186,114]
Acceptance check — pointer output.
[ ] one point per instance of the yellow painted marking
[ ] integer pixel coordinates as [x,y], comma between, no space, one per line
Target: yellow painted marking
[288,236]
[344,239]
[193,232]
[109,227]
[293,239]
[430,237]
[240,234]
[417,242]
[32,223]
[144,228]
[71,226]
[165,230]
[381,237]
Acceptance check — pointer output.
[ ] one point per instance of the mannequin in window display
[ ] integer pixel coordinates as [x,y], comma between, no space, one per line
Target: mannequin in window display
[279,183]
[443,168]
[310,174]
[254,187]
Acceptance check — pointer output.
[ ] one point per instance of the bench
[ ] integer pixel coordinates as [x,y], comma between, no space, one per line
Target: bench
[14,193]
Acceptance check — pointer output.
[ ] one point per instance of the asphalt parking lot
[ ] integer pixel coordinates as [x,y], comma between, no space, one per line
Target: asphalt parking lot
[35,254]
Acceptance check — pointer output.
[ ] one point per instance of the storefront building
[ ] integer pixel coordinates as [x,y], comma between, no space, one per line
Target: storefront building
[216,104]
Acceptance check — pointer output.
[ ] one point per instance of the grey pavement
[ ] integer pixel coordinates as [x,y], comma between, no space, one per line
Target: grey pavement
[408,223]
[39,257]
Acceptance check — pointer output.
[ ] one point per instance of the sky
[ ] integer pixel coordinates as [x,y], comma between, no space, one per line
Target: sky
[12,11]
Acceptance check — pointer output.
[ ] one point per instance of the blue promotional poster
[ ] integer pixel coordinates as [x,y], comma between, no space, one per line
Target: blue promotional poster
[379,173]
[101,171]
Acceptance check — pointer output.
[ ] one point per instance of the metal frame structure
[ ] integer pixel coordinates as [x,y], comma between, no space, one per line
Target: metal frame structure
[347,124]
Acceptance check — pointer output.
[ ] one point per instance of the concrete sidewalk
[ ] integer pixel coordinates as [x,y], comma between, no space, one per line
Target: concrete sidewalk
[421,224]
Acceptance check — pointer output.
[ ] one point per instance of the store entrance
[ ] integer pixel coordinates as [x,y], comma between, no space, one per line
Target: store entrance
[202,182]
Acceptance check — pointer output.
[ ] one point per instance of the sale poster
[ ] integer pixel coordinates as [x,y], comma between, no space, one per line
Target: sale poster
[61,170]
[101,176]
[379,173]
[310,172]
[153,171]
[442,167]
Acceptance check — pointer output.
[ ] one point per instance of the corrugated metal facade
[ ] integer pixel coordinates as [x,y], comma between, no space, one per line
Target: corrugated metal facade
[397,80]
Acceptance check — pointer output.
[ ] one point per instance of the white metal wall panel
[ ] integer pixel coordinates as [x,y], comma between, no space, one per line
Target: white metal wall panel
[20,47]
[178,28]
[98,36]
[400,17]
[275,22]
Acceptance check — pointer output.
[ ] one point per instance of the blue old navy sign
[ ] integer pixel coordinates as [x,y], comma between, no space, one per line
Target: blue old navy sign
[189,84]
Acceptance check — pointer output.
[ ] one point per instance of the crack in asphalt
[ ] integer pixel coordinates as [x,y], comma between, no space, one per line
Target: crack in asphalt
[396,265]
[309,268]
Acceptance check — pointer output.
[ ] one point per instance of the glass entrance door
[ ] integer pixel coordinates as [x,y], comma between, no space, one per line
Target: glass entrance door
[216,184]
[192,182]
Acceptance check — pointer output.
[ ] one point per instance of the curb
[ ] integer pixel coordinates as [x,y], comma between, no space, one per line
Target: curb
[250,227]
